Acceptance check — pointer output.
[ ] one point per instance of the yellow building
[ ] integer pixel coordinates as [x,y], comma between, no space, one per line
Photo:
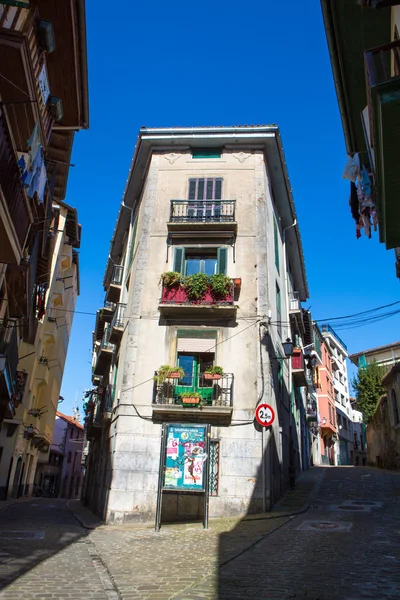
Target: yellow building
[43,102]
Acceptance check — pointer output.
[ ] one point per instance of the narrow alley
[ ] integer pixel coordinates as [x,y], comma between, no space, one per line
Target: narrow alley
[335,537]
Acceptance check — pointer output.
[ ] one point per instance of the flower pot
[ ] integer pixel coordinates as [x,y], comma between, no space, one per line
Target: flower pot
[174,375]
[190,400]
[212,376]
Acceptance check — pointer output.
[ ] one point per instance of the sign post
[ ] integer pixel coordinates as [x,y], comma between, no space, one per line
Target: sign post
[183,463]
[265,415]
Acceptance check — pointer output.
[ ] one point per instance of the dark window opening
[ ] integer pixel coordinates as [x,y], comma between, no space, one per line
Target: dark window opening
[206,153]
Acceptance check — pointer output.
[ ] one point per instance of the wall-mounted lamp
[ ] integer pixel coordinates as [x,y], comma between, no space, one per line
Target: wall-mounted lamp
[323,421]
[288,348]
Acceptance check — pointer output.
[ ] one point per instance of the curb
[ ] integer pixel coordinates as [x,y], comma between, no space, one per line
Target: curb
[81,519]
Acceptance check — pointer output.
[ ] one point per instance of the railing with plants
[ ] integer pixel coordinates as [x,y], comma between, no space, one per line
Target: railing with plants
[213,388]
[196,289]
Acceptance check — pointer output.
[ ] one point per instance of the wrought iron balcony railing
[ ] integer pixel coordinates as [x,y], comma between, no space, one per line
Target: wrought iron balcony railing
[206,392]
[118,319]
[202,211]
[116,276]
[105,343]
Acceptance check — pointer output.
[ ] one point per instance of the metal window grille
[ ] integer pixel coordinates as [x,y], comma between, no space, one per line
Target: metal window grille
[214,468]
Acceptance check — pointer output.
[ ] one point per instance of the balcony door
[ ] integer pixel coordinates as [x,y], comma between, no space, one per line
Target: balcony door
[195,364]
[204,199]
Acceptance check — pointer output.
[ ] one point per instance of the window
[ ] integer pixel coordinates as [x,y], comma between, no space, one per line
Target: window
[69,457]
[206,153]
[214,467]
[205,189]
[189,261]
[345,423]
[276,245]
[280,374]
[279,310]
[71,432]
[395,408]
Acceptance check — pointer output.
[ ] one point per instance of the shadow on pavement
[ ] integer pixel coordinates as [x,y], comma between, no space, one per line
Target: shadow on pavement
[33,531]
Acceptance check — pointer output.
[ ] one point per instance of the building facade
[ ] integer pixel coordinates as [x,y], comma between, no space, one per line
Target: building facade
[383,431]
[44,101]
[61,476]
[344,447]
[384,356]
[205,270]
[363,41]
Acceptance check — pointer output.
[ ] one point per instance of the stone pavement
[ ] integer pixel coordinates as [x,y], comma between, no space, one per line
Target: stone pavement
[336,547]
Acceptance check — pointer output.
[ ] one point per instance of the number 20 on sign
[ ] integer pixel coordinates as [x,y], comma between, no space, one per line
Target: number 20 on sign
[265,415]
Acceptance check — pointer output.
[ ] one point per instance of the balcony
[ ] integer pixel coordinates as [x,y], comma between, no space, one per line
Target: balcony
[15,214]
[42,372]
[114,289]
[104,354]
[22,54]
[203,215]
[103,315]
[118,324]
[382,68]
[107,403]
[175,300]
[298,368]
[295,311]
[93,419]
[214,401]
[329,329]
[8,369]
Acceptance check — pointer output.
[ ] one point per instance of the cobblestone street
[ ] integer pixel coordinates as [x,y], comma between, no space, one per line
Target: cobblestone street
[335,537]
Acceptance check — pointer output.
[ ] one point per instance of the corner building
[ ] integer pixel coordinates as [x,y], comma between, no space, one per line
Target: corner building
[213,201]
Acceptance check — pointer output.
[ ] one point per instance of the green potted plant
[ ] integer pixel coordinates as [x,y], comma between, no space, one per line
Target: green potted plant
[196,285]
[213,372]
[167,372]
[221,284]
[191,397]
[170,278]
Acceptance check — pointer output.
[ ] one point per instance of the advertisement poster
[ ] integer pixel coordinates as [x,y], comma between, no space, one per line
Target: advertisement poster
[185,456]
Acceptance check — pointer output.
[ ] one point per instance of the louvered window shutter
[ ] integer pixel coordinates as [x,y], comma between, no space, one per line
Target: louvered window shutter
[179,260]
[192,189]
[218,189]
[222,260]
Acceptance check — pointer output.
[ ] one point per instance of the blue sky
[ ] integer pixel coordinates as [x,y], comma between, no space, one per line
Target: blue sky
[217,63]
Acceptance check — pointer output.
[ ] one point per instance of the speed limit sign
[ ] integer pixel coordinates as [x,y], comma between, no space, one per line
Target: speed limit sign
[265,415]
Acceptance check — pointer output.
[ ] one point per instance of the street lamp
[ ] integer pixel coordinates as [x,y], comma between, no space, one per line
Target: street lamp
[288,348]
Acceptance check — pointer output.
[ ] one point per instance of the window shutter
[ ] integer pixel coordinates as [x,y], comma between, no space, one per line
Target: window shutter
[210,189]
[179,260]
[222,260]
[218,189]
[192,189]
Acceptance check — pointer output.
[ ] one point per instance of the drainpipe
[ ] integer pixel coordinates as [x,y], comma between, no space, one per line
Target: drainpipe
[289,387]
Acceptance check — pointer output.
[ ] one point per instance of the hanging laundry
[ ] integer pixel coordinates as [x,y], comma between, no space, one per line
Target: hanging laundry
[34,143]
[365,182]
[42,180]
[23,162]
[352,168]
[36,177]
[40,300]
[353,201]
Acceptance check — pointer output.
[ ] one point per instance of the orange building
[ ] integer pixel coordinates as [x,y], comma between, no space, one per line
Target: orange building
[326,407]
